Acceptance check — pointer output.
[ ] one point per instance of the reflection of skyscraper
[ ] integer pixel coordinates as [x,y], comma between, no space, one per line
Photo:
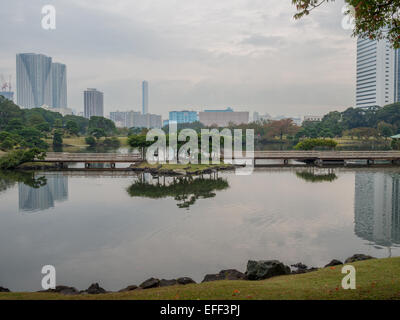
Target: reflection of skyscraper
[38,199]
[377,209]
[145,97]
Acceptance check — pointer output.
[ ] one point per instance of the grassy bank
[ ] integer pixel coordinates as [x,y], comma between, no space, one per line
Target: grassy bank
[376,279]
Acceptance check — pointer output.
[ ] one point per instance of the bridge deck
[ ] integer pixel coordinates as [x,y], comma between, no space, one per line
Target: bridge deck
[258,155]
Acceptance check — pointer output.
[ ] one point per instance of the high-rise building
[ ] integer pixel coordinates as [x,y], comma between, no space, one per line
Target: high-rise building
[378,73]
[145,97]
[59,85]
[34,85]
[40,82]
[183,116]
[93,103]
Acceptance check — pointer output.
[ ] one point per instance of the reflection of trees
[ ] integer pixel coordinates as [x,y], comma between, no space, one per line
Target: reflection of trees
[185,190]
[312,176]
[9,178]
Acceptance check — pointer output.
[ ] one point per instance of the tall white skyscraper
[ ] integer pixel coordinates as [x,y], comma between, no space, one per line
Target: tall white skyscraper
[377,73]
[93,103]
[34,85]
[59,85]
[145,97]
[40,81]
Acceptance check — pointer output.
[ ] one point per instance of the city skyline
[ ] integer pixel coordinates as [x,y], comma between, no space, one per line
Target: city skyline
[244,62]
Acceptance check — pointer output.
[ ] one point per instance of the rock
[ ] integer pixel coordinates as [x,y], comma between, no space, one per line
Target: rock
[300,266]
[179,172]
[66,290]
[264,269]
[358,257]
[129,288]
[167,283]
[4,289]
[150,283]
[95,289]
[230,274]
[185,280]
[333,263]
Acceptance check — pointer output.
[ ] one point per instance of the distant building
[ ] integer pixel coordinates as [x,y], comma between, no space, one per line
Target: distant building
[7,94]
[62,111]
[145,97]
[183,116]
[222,118]
[134,119]
[59,85]
[93,103]
[40,81]
[34,85]
[378,73]
[313,118]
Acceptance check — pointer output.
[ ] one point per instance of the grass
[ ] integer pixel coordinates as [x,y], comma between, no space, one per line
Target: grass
[80,141]
[376,279]
[187,167]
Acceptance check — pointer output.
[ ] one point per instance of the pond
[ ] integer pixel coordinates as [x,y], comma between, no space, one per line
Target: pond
[120,228]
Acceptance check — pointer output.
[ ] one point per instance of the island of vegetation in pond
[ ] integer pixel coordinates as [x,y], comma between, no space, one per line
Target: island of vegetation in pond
[185,190]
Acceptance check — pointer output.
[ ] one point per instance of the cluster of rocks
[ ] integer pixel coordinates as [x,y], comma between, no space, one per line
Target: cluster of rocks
[256,270]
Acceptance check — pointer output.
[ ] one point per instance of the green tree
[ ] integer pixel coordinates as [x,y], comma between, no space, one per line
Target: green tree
[385,129]
[91,141]
[58,138]
[98,133]
[371,17]
[72,127]
[107,125]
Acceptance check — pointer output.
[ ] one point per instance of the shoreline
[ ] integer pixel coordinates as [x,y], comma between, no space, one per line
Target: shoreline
[256,272]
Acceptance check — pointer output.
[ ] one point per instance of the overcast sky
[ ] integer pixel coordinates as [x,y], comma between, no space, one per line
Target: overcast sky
[246,54]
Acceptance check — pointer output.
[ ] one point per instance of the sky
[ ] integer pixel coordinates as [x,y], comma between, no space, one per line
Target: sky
[250,55]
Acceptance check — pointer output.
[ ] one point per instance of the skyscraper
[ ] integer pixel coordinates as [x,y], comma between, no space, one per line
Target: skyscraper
[59,85]
[34,85]
[145,97]
[377,73]
[93,103]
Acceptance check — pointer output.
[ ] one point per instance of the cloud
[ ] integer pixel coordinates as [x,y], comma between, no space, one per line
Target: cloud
[242,53]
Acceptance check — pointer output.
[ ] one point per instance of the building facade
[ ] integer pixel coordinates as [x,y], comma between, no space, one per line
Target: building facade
[377,73]
[134,119]
[222,118]
[145,97]
[183,116]
[34,84]
[59,85]
[93,103]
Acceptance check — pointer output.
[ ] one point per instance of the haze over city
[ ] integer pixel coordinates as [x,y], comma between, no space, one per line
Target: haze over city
[249,55]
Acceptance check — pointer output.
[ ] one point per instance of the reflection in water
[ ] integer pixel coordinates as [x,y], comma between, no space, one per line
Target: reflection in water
[312,175]
[9,178]
[185,190]
[37,198]
[377,210]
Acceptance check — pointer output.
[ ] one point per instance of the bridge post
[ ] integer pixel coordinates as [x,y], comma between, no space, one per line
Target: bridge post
[285,162]
[87,165]
[370,162]
[112,165]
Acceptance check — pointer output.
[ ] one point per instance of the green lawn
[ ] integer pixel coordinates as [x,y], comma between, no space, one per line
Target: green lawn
[376,279]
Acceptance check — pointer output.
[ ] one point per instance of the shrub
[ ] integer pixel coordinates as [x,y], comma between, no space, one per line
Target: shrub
[311,144]
[15,158]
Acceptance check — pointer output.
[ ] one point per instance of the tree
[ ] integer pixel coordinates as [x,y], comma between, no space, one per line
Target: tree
[371,17]
[107,125]
[91,141]
[97,133]
[58,138]
[385,129]
[58,123]
[311,144]
[72,127]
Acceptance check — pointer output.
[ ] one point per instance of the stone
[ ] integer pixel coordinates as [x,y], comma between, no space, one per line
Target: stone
[185,280]
[4,289]
[95,289]
[230,274]
[300,266]
[358,257]
[167,283]
[264,269]
[129,288]
[333,263]
[150,283]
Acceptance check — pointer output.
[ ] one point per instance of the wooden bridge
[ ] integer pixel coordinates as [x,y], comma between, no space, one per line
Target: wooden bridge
[310,157]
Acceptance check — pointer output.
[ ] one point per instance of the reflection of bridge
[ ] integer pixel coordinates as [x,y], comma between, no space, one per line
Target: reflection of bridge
[312,157]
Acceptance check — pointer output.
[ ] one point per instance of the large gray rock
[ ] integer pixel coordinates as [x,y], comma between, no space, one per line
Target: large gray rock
[167,283]
[95,289]
[63,290]
[264,269]
[150,283]
[4,289]
[129,288]
[230,274]
[358,257]
[333,263]
[185,280]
